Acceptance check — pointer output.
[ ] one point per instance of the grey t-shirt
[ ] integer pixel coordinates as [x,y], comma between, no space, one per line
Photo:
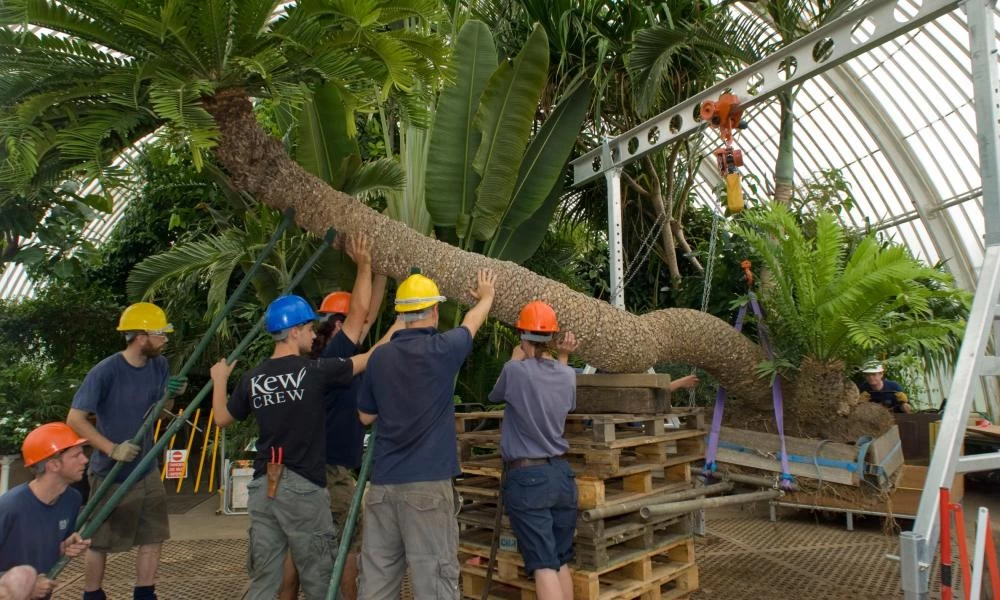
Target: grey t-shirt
[539,394]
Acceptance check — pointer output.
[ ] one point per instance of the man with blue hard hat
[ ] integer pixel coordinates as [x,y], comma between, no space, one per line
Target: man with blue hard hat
[289,504]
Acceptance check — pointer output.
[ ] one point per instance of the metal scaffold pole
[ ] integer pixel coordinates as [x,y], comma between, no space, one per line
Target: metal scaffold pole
[917,546]
[104,512]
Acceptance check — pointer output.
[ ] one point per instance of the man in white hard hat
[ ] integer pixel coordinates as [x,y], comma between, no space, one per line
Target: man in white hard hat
[876,388]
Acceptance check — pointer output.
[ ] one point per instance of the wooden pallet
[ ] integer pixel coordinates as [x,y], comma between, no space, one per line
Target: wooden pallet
[665,572]
[596,542]
[628,484]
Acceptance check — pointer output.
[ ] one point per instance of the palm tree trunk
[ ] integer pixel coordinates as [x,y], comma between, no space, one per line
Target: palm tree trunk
[784,168]
[610,338]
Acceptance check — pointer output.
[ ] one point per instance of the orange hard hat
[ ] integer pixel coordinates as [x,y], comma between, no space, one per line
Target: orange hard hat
[47,441]
[336,302]
[537,317]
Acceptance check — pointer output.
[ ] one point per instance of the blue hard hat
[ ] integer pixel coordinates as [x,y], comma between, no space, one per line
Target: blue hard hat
[287,312]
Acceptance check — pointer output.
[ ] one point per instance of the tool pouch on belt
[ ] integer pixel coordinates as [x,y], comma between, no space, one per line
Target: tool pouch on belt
[274,471]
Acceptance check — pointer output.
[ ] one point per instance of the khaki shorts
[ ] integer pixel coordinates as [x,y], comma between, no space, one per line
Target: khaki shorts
[140,519]
[410,525]
[341,484]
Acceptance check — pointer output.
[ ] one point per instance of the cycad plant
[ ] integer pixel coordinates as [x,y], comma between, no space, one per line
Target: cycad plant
[836,299]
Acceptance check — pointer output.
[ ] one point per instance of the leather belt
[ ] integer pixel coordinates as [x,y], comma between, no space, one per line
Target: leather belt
[529,462]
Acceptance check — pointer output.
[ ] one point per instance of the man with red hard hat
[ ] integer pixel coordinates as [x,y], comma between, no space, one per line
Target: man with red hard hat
[37,518]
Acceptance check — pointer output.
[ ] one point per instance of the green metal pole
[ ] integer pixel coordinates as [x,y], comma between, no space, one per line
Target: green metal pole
[154,414]
[89,528]
[333,592]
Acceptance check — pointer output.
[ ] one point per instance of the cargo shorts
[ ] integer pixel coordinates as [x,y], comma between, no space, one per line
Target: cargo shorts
[341,484]
[541,503]
[140,519]
[415,525]
[296,519]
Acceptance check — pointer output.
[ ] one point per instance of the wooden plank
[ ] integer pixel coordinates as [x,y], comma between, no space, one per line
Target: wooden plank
[770,443]
[744,459]
[887,449]
[767,447]
[644,401]
[624,380]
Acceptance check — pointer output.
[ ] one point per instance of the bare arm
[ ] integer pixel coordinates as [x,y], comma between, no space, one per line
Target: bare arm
[77,419]
[687,382]
[359,249]
[365,418]
[484,292]
[566,345]
[378,293]
[220,379]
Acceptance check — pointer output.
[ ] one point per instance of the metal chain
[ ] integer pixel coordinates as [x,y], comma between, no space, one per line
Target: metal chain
[644,249]
[706,290]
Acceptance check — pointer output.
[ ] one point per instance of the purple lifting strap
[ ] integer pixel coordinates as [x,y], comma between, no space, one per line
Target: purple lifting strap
[720,400]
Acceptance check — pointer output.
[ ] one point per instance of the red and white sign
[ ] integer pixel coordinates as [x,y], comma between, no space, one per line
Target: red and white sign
[176,464]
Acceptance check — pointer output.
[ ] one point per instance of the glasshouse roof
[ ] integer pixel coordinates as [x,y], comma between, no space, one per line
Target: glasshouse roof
[898,121]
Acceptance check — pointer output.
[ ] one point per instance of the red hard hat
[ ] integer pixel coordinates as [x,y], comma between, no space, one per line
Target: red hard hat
[47,441]
[336,302]
[537,316]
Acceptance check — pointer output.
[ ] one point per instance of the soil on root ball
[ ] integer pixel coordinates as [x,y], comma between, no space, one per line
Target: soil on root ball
[821,403]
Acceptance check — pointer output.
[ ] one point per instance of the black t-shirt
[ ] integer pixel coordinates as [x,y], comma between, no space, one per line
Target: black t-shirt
[286,395]
[344,432]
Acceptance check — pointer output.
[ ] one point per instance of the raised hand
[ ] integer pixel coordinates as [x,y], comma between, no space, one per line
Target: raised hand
[485,285]
[359,248]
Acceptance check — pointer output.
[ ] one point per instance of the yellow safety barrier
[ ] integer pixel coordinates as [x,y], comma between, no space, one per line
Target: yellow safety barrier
[190,444]
[204,448]
[215,448]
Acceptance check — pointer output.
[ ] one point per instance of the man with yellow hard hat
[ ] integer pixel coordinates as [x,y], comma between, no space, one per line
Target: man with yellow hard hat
[409,388]
[37,518]
[120,391]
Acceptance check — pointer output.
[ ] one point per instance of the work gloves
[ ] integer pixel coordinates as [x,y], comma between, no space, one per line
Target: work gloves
[125,452]
[176,385]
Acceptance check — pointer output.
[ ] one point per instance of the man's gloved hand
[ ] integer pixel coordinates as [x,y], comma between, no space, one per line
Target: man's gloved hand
[866,397]
[176,385]
[125,452]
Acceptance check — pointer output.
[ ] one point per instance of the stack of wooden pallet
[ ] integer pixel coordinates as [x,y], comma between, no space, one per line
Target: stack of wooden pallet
[619,459]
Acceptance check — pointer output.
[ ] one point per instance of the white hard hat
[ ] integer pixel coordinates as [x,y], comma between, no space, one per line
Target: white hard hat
[873,367]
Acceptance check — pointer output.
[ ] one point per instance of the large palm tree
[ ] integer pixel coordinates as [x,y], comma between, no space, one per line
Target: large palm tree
[118,71]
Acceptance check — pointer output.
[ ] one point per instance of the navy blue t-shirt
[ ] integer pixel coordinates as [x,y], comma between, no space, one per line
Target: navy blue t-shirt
[287,396]
[121,395]
[31,531]
[410,385]
[887,396]
[344,432]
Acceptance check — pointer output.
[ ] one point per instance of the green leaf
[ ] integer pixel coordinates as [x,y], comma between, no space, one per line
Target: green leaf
[323,141]
[506,113]
[451,181]
[545,159]
[518,245]
[101,202]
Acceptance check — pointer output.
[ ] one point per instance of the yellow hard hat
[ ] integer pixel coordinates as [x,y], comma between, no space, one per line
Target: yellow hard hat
[144,316]
[417,293]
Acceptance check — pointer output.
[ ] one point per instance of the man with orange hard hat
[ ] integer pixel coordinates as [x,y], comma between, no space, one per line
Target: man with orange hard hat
[37,518]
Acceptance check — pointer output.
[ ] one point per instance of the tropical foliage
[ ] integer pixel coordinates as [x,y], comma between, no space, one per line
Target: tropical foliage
[834,302]
[485,181]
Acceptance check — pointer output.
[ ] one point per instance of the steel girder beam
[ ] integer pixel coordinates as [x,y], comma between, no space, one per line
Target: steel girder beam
[876,20]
